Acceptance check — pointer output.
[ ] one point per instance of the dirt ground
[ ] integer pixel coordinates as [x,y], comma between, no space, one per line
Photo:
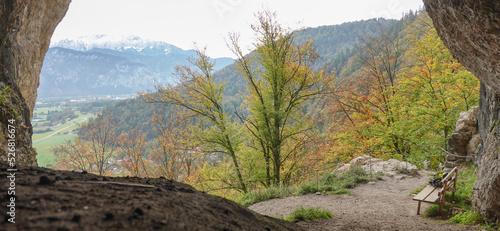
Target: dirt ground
[59,200]
[381,205]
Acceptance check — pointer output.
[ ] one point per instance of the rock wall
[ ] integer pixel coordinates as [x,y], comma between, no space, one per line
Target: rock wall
[25,30]
[471,30]
[464,141]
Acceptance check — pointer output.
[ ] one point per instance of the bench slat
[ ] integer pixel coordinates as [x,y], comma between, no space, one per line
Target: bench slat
[422,195]
[433,197]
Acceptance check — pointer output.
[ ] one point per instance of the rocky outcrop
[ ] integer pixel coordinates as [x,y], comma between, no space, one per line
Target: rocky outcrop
[471,31]
[463,142]
[25,30]
[390,167]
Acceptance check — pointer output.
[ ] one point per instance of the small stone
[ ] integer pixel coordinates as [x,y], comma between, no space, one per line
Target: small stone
[109,216]
[52,219]
[76,218]
[139,211]
[318,193]
[400,177]
[45,180]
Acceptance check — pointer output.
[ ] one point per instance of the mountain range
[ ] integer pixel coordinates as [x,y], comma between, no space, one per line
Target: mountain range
[108,65]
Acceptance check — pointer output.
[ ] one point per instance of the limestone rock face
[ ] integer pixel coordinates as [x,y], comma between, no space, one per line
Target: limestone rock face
[464,141]
[471,30]
[25,30]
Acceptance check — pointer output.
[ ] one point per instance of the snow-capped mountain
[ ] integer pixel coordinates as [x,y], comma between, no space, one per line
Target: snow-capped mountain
[102,64]
[128,43]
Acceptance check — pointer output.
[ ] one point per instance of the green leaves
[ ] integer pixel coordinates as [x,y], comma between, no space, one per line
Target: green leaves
[280,83]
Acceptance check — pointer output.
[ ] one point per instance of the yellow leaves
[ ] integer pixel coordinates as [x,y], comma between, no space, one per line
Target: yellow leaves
[380,112]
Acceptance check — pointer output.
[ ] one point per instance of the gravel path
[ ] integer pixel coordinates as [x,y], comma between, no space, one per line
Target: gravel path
[381,205]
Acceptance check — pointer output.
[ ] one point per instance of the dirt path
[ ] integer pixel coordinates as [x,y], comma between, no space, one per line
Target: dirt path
[381,205]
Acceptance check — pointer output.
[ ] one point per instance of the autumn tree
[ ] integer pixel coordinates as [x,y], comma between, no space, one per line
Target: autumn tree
[72,156]
[101,142]
[435,88]
[280,82]
[92,150]
[401,104]
[175,150]
[198,93]
[362,105]
[132,147]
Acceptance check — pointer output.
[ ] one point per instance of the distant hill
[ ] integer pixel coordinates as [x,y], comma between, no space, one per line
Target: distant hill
[103,65]
[336,44]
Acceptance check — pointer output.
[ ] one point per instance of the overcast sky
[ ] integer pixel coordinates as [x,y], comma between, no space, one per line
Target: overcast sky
[207,22]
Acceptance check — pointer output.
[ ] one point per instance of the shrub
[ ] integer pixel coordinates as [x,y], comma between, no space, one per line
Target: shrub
[308,214]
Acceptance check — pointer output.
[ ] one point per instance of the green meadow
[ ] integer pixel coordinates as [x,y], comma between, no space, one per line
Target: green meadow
[43,142]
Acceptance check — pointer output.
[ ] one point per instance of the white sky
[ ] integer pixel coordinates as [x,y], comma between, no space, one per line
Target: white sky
[207,22]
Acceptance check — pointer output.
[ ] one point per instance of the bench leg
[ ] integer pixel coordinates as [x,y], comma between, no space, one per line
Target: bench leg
[418,208]
[441,203]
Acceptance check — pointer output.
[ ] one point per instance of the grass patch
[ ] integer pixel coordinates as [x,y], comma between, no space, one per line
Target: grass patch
[467,218]
[417,190]
[308,214]
[266,194]
[341,192]
[336,183]
[465,183]
[433,210]
[490,227]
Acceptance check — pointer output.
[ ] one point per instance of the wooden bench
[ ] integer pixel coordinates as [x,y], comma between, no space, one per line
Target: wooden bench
[433,195]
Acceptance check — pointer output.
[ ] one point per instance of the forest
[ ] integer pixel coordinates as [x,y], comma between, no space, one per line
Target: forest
[301,103]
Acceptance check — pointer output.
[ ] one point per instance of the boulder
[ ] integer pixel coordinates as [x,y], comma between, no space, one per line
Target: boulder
[464,141]
[363,160]
[389,167]
[342,168]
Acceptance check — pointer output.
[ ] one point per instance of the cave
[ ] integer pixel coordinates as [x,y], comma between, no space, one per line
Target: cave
[469,28]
